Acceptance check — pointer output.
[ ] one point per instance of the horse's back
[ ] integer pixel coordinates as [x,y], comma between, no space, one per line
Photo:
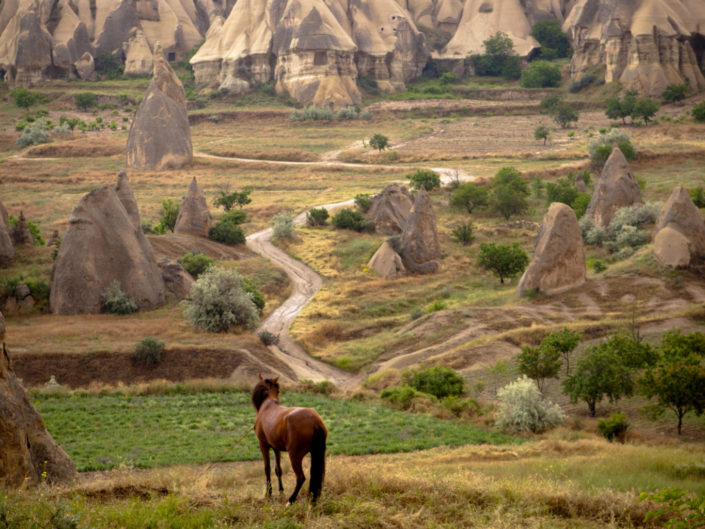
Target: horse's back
[303,422]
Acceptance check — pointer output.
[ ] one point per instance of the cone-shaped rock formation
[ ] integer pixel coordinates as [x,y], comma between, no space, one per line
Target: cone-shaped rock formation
[419,246]
[194,217]
[679,239]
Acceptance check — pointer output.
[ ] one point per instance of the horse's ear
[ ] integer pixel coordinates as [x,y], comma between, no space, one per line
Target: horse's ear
[260,378]
[275,379]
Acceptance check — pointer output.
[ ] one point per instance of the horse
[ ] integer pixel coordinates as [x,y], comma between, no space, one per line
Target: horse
[297,431]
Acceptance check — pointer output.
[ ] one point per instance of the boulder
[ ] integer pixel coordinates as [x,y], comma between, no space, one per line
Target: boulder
[7,245]
[127,197]
[558,262]
[679,233]
[418,245]
[85,67]
[28,453]
[386,262]
[617,188]
[390,209]
[102,245]
[176,279]
[21,233]
[160,137]
[194,217]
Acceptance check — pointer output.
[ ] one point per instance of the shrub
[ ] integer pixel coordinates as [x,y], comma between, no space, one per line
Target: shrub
[346,113]
[645,109]
[402,396]
[562,190]
[34,134]
[698,112]
[115,301]
[521,408]
[363,201]
[148,352]
[283,226]
[499,58]
[598,266]
[551,37]
[585,81]
[447,78]
[615,427]
[504,260]
[580,204]
[698,196]
[25,98]
[85,100]
[633,216]
[219,302]
[541,133]
[168,216]
[228,200]
[564,114]
[437,381]
[379,142]
[468,196]
[317,217]
[227,233]
[109,65]
[683,510]
[675,92]
[540,74]
[460,407]
[425,178]
[268,338]
[196,263]
[550,103]
[463,233]
[350,219]
[601,146]
[366,115]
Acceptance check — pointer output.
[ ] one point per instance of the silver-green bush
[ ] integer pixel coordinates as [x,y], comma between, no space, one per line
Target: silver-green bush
[283,226]
[115,301]
[218,302]
[611,137]
[34,134]
[522,408]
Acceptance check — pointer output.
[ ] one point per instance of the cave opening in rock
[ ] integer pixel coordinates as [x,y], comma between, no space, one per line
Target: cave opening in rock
[698,43]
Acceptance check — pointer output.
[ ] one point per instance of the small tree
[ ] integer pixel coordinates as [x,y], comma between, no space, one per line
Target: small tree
[554,43]
[599,373]
[522,408]
[645,109]
[564,342]
[565,114]
[562,190]
[541,74]
[505,261]
[541,133]
[507,201]
[84,100]
[169,214]
[677,381]
[228,200]
[468,196]
[25,98]
[148,352]
[675,93]
[539,363]
[425,178]
[379,142]
[499,58]
[621,108]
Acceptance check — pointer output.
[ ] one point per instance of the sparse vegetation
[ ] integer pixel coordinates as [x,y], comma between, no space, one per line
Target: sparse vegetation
[148,352]
[115,301]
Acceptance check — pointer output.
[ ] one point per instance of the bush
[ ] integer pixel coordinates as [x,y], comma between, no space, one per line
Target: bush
[366,115]
[551,37]
[521,408]
[379,142]
[437,381]
[698,196]
[425,178]
[463,233]
[85,100]
[600,147]
[39,289]
[448,78]
[115,301]
[227,233]
[317,217]
[541,74]
[402,396]
[499,58]
[633,216]
[698,112]
[460,407]
[219,302]
[363,201]
[268,338]
[564,114]
[615,427]
[675,92]
[350,219]
[196,263]
[34,134]
[346,113]
[109,65]
[312,113]
[25,98]
[148,352]
[168,216]
[585,81]
[283,226]
[580,204]
[562,190]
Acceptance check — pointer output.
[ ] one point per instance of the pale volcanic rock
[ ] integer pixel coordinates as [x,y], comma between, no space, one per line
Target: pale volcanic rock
[679,238]
[390,209]
[617,188]
[102,245]
[28,453]
[558,262]
[386,262]
[418,245]
[85,67]
[194,217]
[138,54]
[127,197]
[160,137]
[176,279]
[25,47]
[7,246]
[645,45]
[70,38]
[20,232]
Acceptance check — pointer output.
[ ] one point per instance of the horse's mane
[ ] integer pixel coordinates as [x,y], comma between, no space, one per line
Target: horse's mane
[259,394]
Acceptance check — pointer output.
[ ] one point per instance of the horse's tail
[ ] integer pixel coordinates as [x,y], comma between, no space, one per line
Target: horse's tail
[318,461]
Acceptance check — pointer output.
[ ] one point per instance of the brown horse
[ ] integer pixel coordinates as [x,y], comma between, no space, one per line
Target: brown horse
[297,431]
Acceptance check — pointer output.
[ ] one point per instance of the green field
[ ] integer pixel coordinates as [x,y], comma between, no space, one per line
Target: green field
[160,430]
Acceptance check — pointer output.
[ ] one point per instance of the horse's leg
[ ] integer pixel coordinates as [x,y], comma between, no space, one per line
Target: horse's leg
[296,466]
[267,469]
[278,469]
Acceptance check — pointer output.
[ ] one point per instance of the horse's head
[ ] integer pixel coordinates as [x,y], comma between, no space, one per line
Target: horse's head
[266,388]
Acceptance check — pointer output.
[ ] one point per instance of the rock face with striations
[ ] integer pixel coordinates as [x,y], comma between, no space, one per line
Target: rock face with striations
[418,245]
[390,209]
[7,246]
[645,45]
[194,217]
[558,262]
[679,239]
[386,262]
[160,137]
[102,245]
[27,449]
[617,188]
[127,197]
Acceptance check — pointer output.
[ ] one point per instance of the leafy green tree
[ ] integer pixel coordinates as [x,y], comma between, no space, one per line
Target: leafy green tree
[468,196]
[562,190]
[541,74]
[675,92]
[677,381]
[599,373]
[228,200]
[564,114]
[379,142]
[698,112]
[541,133]
[499,57]
[437,381]
[631,351]
[84,100]
[539,363]
[425,178]
[621,108]
[25,98]
[510,176]
[581,203]
[503,260]
[554,43]
[645,109]
[564,342]
[550,103]
[509,193]
[169,214]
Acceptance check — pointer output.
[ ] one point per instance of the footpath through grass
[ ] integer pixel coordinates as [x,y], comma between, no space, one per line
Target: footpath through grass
[105,431]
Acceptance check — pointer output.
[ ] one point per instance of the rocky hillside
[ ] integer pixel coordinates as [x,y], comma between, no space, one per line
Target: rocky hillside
[317,50]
